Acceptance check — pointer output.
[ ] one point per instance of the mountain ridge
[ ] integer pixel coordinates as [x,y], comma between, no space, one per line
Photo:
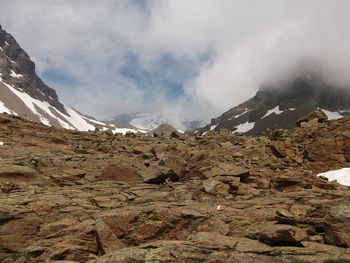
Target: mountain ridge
[23,93]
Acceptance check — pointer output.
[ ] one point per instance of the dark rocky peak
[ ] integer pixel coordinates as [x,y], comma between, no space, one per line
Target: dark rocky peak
[283,104]
[18,70]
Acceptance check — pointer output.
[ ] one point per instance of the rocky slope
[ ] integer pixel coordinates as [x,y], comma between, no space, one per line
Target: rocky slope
[282,106]
[24,94]
[69,196]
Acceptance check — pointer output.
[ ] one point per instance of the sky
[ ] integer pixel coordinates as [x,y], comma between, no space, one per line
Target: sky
[190,59]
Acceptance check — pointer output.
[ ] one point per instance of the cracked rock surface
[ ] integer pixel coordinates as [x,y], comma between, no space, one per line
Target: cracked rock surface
[69,196]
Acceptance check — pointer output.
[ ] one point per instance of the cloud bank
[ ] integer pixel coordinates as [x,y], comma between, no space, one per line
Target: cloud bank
[186,58]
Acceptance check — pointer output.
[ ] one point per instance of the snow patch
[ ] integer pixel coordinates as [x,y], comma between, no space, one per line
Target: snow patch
[342,176]
[244,127]
[1,143]
[7,44]
[15,75]
[3,109]
[275,110]
[125,130]
[332,115]
[292,109]
[213,127]
[1,49]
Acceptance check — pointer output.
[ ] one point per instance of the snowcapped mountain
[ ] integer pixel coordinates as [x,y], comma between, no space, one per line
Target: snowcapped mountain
[282,106]
[24,94]
[150,121]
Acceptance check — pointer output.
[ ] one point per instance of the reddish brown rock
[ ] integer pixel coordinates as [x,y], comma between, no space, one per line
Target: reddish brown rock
[107,240]
[85,196]
[120,172]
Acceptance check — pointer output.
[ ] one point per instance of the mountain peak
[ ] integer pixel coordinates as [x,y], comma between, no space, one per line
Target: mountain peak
[24,94]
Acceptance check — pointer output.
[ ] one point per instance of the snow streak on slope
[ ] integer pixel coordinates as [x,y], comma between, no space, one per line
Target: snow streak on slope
[74,121]
[239,115]
[77,120]
[4,109]
[31,103]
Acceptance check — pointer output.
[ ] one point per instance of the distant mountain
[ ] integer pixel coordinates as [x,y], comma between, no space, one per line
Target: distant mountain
[24,94]
[150,121]
[281,106]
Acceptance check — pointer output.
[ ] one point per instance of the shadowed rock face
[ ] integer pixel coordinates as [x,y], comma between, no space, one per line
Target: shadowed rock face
[14,59]
[69,196]
[290,101]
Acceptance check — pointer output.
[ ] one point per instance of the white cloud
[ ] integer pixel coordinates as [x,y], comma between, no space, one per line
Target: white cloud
[247,43]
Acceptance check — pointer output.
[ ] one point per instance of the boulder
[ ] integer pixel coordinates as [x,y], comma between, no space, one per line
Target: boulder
[319,115]
[107,240]
[157,175]
[281,235]
[337,226]
[226,169]
[216,187]
[175,163]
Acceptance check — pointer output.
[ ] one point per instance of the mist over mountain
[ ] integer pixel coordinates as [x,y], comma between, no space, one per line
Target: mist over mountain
[149,121]
[107,58]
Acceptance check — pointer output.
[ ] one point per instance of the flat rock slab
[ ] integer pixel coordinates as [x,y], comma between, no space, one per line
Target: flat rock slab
[17,173]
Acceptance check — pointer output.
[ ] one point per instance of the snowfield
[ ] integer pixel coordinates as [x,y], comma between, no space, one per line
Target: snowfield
[74,120]
[342,176]
[244,127]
